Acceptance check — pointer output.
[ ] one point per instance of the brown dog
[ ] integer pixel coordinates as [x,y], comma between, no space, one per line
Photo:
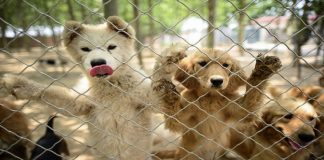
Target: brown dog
[286,131]
[315,96]
[13,128]
[209,104]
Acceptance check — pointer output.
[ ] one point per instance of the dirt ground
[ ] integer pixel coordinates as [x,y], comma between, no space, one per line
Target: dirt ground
[73,128]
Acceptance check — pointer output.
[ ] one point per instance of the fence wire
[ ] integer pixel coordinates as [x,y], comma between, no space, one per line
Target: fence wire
[241,100]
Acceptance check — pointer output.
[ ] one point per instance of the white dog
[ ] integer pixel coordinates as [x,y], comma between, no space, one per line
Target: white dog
[116,105]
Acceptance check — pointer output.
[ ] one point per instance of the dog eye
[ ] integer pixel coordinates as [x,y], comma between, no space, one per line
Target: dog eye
[289,116]
[225,65]
[111,47]
[85,49]
[202,63]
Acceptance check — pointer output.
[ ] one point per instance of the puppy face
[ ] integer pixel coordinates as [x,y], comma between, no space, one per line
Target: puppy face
[295,119]
[102,48]
[210,69]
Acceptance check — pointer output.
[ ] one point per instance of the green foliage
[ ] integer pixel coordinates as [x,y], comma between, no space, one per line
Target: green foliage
[166,14]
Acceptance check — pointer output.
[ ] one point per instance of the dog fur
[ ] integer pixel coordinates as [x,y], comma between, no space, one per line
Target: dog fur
[284,123]
[312,94]
[116,107]
[202,112]
[14,126]
[315,96]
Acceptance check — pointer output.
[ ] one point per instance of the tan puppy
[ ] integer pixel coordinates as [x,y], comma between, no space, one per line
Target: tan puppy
[209,104]
[286,131]
[315,96]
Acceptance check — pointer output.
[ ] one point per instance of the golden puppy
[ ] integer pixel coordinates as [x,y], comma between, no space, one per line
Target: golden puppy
[286,131]
[209,104]
[315,96]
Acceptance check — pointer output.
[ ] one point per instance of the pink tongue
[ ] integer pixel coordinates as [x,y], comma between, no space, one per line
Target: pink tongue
[100,70]
[294,145]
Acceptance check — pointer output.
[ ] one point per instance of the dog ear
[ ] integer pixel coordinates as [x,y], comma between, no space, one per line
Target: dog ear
[121,27]
[237,78]
[266,116]
[294,91]
[72,29]
[183,75]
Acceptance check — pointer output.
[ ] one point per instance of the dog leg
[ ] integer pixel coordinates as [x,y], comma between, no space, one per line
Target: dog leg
[59,97]
[164,69]
[264,69]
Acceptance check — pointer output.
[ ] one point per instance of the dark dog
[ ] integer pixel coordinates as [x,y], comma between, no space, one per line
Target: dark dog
[50,146]
[53,62]
[13,130]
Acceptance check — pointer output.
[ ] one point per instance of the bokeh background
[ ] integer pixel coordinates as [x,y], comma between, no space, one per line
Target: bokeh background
[31,41]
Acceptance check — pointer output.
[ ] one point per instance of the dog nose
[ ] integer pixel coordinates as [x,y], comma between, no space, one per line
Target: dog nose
[306,137]
[97,62]
[216,82]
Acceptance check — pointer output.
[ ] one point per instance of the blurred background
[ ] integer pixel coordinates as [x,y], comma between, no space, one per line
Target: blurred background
[31,41]
[291,27]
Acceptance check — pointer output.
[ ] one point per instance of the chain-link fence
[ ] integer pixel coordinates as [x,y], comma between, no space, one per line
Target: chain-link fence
[144,85]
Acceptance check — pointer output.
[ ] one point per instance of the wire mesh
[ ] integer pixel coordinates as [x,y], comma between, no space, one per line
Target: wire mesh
[256,96]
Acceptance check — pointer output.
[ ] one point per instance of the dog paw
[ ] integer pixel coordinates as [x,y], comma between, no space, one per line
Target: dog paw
[271,62]
[172,55]
[267,65]
[167,63]
[20,87]
[86,107]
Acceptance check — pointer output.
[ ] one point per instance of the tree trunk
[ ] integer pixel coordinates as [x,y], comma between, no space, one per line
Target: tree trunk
[110,8]
[151,23]
[323,61]
[70,10]
[319,41]
[138,32]
[3,26]
[50,23]
[211,23]
[241,26]
[297,60]
[302,37]
[23,25]
[83,14]
[318,51]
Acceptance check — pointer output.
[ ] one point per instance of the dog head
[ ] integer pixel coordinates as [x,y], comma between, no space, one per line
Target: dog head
[315,96]
[312,94]
[102,48]
[294,121]
[210,69]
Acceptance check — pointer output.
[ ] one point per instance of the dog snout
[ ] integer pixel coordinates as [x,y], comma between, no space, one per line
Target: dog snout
[306,137]
[216,82]
[97,62]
